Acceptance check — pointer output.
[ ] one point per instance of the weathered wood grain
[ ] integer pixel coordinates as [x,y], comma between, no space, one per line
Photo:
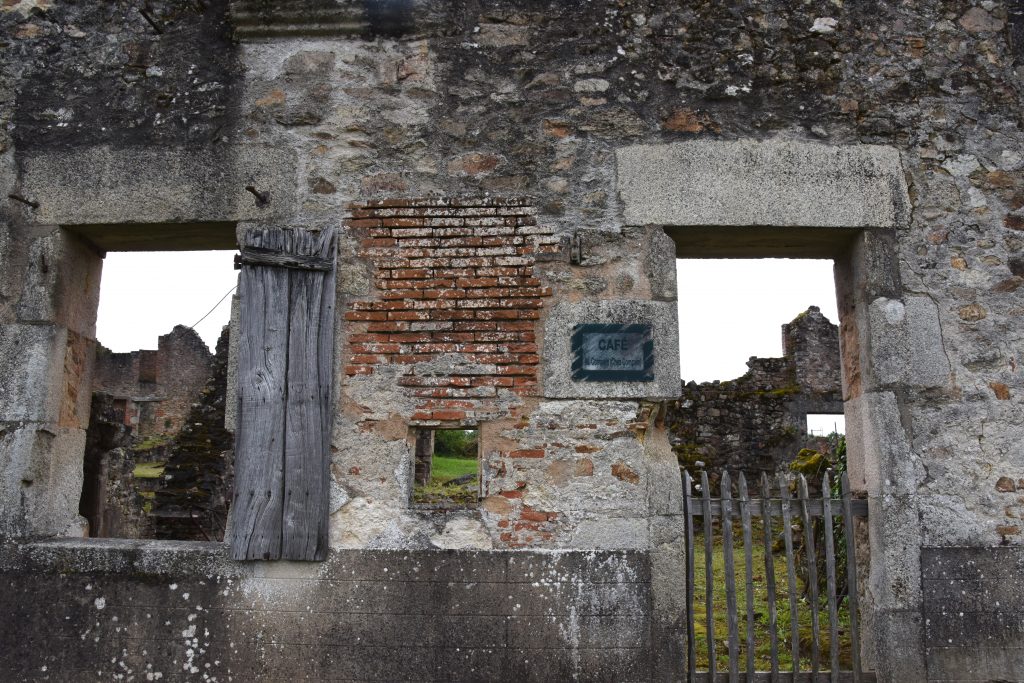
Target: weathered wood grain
[262,385]
[285,370]
[310,344]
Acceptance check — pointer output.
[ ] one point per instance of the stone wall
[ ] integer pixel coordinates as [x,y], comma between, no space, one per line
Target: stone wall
[758,422]
[181,612]
[883,135]
[157,387]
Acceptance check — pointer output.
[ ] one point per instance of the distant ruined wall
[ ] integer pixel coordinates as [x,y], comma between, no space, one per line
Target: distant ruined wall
[758,422]
[159,386]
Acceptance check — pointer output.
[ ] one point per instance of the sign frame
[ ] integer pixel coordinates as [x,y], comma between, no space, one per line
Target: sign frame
[582,374]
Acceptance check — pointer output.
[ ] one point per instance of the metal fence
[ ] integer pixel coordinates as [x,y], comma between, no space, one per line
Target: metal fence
[801,528]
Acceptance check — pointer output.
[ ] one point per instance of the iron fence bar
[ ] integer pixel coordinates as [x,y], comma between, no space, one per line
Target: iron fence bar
[858,508]
[787,536]
[851,577]
[732,617]
[708,569]
[812,574]
[830,581]
[691,642]
[748,562]
[769,571]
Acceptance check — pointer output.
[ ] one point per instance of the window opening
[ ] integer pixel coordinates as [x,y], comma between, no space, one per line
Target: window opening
[824,424]
[158,458]
[447,468]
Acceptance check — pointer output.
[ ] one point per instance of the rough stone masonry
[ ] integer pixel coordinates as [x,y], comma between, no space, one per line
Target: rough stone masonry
[498,175]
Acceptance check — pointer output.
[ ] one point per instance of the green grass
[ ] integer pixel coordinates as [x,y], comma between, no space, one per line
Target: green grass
[762,638]
[444,469]
[148,470]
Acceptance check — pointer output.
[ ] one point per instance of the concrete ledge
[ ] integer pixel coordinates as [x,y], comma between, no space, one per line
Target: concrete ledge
[775,183]
[96,609]
[101,185]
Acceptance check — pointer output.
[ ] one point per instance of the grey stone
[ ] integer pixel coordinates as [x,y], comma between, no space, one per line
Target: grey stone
[32,365]
[929,361]
[40,480]
[62,283]
[101,185]
[881,460]
[777,183]
[558,382]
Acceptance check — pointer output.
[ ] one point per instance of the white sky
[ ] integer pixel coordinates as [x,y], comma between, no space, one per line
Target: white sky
[145,294]
[731,309]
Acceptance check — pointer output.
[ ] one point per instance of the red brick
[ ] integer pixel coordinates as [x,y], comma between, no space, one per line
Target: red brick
[388,326]
[492,314]
[365,315]
[410,274]
[360,338]
[449,415]
[361,359]
[408,315]
[358,223]
[487,381]
[375,348]
[377,242]
[358,370]
[516,370]
[512,494]
[404,222]
[527,453]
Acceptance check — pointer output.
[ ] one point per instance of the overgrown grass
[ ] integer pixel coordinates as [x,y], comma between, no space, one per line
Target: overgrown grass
[762,638]
[148,470]
[444,469]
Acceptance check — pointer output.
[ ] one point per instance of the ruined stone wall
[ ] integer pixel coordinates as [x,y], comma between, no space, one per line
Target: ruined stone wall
[159,120]
[159,386]
[758,422]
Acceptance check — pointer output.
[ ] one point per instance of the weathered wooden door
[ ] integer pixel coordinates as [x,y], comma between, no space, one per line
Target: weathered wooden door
[285,360]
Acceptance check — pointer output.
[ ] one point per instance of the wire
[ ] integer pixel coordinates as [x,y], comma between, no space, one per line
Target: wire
[193,325]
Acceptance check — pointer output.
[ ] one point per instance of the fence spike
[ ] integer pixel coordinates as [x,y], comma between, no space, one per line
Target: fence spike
[709,592]
[812,574]
[787,537]
[691,642]
[851,575]
[732,618]
[830,578]
[748,561]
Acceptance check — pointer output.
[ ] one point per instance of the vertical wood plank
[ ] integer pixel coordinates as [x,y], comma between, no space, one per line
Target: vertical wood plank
[310,352]
[748,560]
[812,573]
[830,580]
[730,579]
[769,572]
[691,642]
[709,588]
[256,511]
[787,536]
[851,575]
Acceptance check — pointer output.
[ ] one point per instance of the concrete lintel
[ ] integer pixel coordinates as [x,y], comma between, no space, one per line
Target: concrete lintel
[144,185]
[772,183]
